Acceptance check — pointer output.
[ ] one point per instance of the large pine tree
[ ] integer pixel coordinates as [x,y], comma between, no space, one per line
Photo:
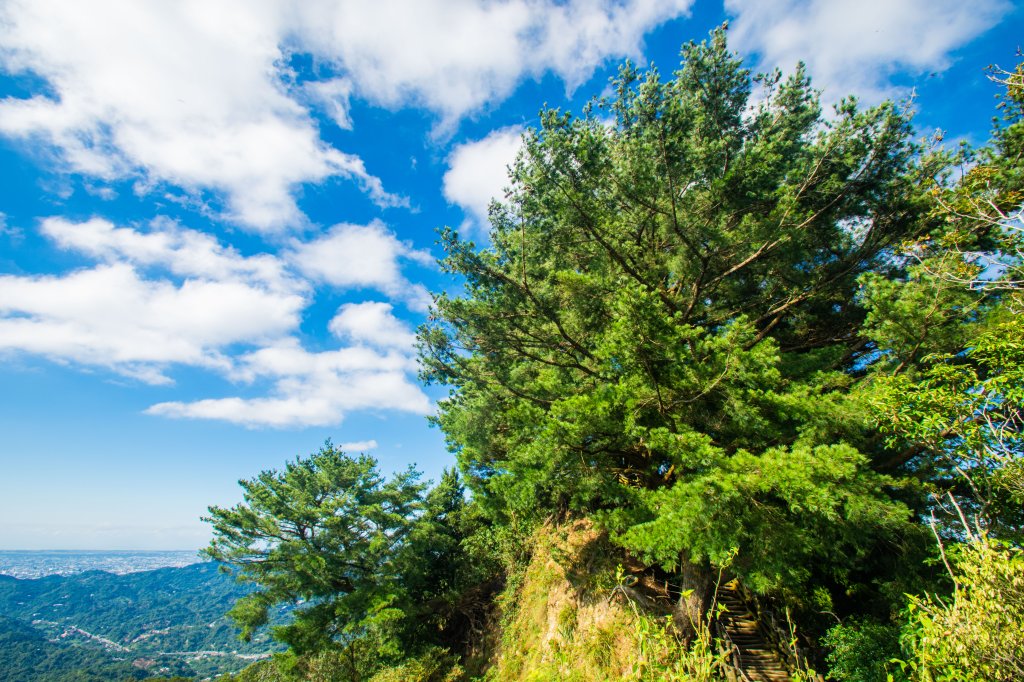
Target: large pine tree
[669,326]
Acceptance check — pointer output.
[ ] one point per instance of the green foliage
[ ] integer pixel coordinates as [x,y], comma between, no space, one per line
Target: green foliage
[977,634]
[377,569]
[435,665]
[959,417]
[578,616]
[442,575]
[262,671]
[663,656]
[146,613]
[956,417]
[734,331]
[326,531]
[863,651]
[26,655]
[665,329]
[169,609]
[431,665]
[790,509]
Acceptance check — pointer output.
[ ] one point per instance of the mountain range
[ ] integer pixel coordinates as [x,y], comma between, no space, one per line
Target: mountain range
[101,626]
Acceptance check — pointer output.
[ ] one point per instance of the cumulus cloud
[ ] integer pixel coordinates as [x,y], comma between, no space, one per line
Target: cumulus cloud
[166,296]
[187,93]
[371,323]
[856,47]
[363,256]
[184,252]
[312,389]
[199,95]
[455,56]
[110,316]
[375,372]
[198,101]
[478,172]
[200,299]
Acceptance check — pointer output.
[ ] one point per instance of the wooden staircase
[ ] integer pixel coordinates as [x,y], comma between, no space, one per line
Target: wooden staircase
[754,657]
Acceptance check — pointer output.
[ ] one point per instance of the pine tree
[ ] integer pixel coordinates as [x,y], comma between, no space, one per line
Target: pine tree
[325,534]
[667,327]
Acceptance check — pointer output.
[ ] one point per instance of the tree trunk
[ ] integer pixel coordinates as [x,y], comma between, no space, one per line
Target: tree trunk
[696,581]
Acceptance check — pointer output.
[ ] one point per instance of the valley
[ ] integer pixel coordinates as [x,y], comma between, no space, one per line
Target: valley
[167,621]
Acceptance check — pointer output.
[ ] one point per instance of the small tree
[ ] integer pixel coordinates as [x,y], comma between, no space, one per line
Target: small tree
[955,413]
[978,633]
[325,534]
[959,418]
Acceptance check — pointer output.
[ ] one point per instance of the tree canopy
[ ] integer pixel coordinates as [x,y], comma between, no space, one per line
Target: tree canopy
[670,323]
[375,568]
[325,531]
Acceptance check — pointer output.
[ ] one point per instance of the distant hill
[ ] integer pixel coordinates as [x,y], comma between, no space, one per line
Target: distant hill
[27,655]
[165,621]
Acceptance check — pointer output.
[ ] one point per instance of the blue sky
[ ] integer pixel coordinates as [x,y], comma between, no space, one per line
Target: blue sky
[217,220]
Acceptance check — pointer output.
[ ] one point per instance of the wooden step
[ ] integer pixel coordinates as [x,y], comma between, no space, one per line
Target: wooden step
[759,662]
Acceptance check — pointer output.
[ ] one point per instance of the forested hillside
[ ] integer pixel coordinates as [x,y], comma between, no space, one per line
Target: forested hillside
[101,626]
[26,654]
[765,358]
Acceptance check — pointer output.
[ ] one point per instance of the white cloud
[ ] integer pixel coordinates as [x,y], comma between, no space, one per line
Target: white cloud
[856,47]
[359,446]
[184,252]
[478,172]
[188,93]
[317,389]
[313,389]
[204,298]
[169,296]
[109,316]
[198,94]
[363,256]
[196,101]
[371,323]
[14,234]
[456,56]
[334,97]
